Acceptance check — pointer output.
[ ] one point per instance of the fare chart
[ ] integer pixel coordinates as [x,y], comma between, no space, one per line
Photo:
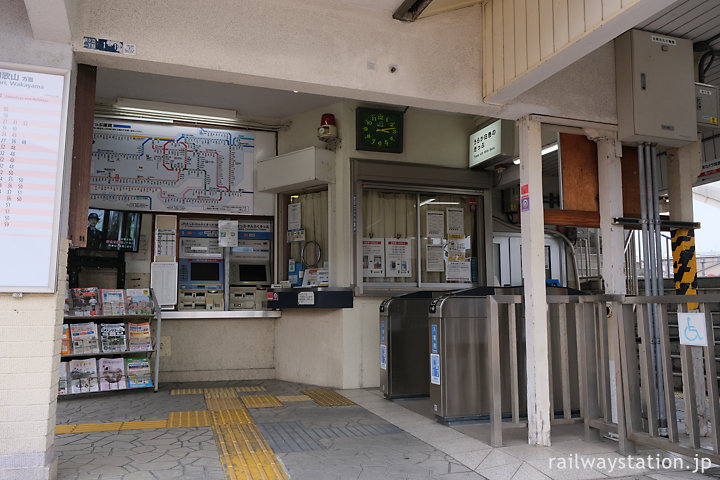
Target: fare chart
[32,125]
[171,168]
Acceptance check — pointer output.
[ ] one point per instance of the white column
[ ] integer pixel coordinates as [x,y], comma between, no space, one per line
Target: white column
[533,270]
[611,206]
[683,166]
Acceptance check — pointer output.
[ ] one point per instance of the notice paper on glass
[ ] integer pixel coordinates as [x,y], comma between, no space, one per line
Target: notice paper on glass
[455,221]
[373,257]
[164,281]
[228,233]
[294,216]
[398,257]
[456,248]
[458,271]
[435,258]
[435,223]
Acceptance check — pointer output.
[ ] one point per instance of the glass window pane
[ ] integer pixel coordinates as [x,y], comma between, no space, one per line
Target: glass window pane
[449,250]
[389,244]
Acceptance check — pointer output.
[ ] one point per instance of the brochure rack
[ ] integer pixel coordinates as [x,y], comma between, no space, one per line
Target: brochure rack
[124,377]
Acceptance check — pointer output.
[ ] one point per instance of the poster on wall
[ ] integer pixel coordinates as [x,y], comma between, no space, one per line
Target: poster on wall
[373,256]
[398,257]
[435,223]
[161,168]
[455,222]
[435,258]
[33,112]
[458,271]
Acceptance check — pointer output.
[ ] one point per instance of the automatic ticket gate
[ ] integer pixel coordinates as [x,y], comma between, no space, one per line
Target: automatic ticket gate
[404,356]
[459,370]
[460,376]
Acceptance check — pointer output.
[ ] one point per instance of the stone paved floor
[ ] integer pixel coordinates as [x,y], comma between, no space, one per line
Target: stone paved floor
[375,439]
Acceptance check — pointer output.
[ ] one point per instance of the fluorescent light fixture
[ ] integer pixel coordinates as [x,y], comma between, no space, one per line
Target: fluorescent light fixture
[516,161]
[132,105]
[425,202]
[549,149]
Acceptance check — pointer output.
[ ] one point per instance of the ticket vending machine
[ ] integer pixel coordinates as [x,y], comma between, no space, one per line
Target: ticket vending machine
[201,268]
[249,274]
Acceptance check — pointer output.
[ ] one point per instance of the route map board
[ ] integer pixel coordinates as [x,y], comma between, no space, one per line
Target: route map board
[169,168]
[33,115]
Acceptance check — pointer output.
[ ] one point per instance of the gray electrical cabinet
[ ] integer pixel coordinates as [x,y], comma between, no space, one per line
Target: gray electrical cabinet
[655,87]
[706,97]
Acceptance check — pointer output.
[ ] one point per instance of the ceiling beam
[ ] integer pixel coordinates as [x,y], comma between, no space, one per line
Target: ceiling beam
[49,20]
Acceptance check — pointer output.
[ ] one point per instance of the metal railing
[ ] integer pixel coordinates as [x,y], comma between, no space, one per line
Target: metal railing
[602,371]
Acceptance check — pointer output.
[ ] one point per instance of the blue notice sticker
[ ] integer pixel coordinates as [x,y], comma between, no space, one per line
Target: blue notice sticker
[434,339]
[382,332]
[383,357]
[435,369]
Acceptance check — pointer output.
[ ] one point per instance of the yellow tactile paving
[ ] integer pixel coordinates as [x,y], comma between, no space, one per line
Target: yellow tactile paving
[228,392]
[97,427]
[251,389]
[144,425]
[260,401]
[224,403]
[231,417]
[61,429]
[245,454]
[327,398]
[293,398]
[187,391]
[198,418]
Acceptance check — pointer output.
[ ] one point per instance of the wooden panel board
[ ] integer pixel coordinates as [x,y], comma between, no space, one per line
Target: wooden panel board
[520,37]
[509,40]
[610,8]
[533,32]
[593,13]
[576,18]
[82,155]
[487,49]
[547,31]
[580,188]
[630,183]
[572,218]
[560,23]
[497,45]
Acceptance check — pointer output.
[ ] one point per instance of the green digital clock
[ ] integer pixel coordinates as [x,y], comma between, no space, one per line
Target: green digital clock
[379,130]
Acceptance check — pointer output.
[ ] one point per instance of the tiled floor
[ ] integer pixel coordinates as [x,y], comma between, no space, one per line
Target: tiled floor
[374,439]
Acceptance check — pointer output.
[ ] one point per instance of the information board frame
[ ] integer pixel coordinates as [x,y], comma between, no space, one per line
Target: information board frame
[44,272]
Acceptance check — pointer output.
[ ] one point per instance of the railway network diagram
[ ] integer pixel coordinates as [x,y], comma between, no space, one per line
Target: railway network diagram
[158,167]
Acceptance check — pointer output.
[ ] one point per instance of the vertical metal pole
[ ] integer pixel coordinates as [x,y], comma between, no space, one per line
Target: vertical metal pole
[646,257]
[662,413]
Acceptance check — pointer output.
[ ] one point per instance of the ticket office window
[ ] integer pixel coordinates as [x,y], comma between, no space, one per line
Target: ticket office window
[308,248]
[419,240]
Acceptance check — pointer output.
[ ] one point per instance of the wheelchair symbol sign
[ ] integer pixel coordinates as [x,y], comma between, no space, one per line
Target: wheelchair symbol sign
[691,327]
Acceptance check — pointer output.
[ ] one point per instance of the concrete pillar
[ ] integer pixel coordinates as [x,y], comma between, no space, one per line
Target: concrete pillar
[683,167]
[611,206]
[533,271]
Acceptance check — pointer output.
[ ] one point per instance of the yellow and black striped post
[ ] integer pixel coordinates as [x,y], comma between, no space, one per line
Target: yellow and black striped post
[685,264]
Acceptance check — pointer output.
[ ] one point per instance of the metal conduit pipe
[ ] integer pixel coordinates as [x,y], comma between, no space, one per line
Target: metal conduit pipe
[642,177]
[660,291]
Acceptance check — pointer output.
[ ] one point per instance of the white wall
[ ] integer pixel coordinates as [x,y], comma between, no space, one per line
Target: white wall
[312,46]
[30,326]
[205,350]
[348,356]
